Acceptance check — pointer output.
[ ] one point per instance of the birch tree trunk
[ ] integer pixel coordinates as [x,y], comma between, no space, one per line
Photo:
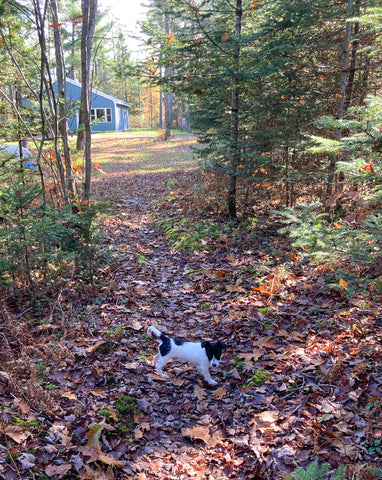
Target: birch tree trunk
[235,105]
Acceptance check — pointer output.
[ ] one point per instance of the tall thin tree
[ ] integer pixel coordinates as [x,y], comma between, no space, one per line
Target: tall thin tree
[235,105]
[89,12]
[341,97]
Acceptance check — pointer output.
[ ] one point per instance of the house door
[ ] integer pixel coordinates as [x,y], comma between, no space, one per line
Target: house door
[125,120]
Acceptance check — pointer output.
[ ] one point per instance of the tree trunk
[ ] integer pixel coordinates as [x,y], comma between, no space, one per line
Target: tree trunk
[62,126]
[167,96]
[235,104]
[89,12]
[341,99]
[46,95]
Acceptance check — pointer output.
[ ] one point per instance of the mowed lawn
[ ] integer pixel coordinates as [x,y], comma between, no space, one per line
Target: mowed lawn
[142,151]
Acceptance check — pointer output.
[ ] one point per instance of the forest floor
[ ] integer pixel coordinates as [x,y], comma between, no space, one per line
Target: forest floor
[300,381]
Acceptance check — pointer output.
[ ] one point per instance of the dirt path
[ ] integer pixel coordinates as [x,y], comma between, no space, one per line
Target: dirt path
[153,286]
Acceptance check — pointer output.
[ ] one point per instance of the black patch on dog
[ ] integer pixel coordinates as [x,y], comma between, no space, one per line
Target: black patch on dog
[165,346]
[214,349]
[178,342]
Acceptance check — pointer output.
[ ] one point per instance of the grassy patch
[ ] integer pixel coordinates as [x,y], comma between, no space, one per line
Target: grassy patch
[141,152]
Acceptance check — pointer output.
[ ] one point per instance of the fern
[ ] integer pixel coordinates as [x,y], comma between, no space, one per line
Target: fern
[315,471]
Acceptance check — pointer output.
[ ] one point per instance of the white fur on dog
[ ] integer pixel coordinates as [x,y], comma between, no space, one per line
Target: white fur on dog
[191,352]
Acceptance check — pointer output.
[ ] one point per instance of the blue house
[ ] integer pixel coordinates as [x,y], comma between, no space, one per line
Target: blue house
[108,114]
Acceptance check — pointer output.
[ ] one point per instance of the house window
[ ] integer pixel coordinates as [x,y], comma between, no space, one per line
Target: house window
[102,115]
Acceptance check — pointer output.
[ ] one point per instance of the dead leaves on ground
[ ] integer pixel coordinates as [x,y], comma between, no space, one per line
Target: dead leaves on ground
[301,380]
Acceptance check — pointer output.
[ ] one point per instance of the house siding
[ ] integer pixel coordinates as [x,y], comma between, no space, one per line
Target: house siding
[119,109]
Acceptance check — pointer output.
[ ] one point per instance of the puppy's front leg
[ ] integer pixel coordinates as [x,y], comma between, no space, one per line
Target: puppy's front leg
[207,377]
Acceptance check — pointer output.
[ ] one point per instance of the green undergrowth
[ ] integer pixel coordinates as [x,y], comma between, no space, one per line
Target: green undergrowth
[184,233]
[316,471]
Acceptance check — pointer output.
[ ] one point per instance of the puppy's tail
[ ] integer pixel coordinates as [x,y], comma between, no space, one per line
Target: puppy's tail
[155,331]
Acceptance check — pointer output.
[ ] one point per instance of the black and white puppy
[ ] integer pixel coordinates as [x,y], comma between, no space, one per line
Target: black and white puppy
[204,354]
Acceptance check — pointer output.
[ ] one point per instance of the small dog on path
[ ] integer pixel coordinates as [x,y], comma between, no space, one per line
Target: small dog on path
[203,354]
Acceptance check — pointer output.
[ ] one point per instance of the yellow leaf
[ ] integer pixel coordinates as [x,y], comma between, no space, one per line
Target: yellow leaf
[343,283]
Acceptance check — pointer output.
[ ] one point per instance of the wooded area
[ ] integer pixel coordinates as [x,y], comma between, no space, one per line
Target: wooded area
[244,205]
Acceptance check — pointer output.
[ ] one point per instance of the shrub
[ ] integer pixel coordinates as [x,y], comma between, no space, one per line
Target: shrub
[319,239]
[40,241]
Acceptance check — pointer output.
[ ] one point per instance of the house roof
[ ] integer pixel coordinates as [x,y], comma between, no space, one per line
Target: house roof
[117,101]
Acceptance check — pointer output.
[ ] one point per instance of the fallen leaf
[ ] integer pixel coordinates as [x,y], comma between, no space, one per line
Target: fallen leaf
[57,471]
[114,462]
[17,433]
[94,434]
[203,433]
[131,365]
[94,347]
[220,393]
[112,413]
[88,451]
[200,393]
[138,434]
[69,395]
[23,406]
[255,355]
[266,421]
[178,381]
[98,393]
[27,461]
[235,288]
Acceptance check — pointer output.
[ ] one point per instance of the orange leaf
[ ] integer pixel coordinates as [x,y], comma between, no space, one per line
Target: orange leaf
[55,25]
[170,39]
[220,274]
[343,283]
[76,18]
[225,37]
[368,168]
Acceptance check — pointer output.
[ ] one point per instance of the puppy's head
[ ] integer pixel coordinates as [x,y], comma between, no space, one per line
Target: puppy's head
[214,352]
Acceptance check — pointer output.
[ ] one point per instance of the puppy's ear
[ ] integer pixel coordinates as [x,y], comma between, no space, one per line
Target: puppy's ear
[222,345]
[205,344]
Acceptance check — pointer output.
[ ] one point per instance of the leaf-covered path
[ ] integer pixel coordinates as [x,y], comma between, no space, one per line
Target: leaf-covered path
[289,392]
[300,382]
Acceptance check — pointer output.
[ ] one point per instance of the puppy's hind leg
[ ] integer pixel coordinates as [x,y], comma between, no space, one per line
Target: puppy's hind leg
[156,359]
